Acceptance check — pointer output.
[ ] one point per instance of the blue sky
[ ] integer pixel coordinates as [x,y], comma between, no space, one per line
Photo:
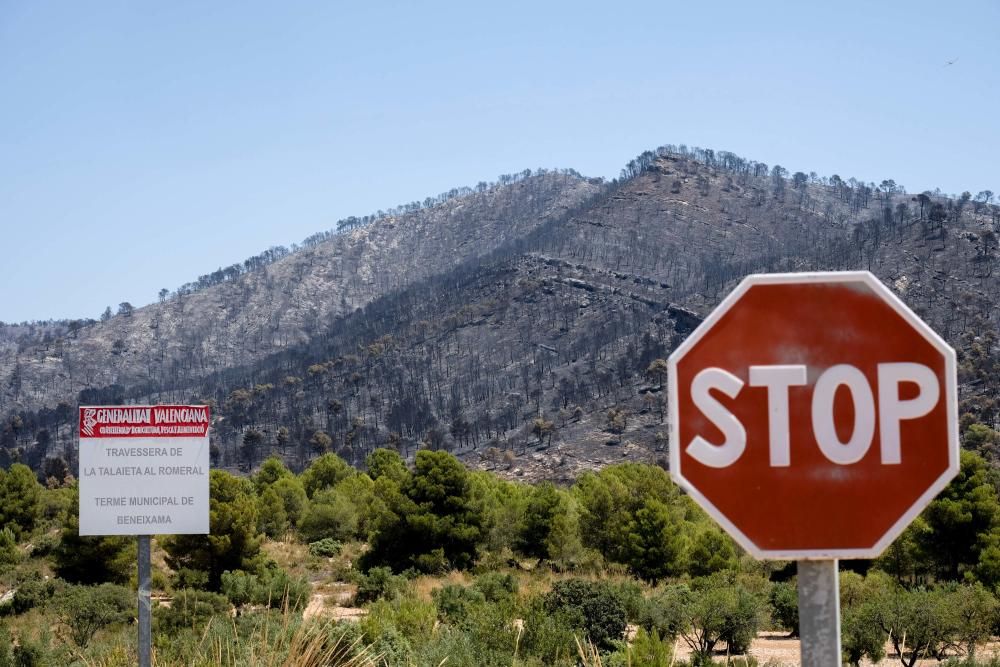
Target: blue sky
[145,143]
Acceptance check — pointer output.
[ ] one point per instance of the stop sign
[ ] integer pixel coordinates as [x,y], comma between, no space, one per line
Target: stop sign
[813,415]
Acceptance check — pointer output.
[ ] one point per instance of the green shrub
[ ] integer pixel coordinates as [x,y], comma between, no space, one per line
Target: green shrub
[26,653]
[189,609]
[324,473]
[282,589]
[325,548]
[233,544]
[547,636]
[91,560]
[273,588]
[629,593]
[45,545]
[861,634]
[240,588]
[413,618]
[784,601]
[647,649]
[711,551]
[33,592]
[379,583]
[433,521]
[330,515]
[592,607]
[432,562]
[496,586]
[484,640]
[494,560]
[20,499]
[30,654]
[56,504]
[10,555]
[388,463]
[185,577]
[340,570]
[449,646]
[491,632]
[158,580]
[394,648]
[650,650]
[293,497]
[453,602]
[272,518]
[259,638]
[344,645]
[590,561]
[87,609]
[6,647]
[722,607]
[745,621]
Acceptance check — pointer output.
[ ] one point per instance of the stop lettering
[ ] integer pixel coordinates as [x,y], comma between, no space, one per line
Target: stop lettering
[813,415]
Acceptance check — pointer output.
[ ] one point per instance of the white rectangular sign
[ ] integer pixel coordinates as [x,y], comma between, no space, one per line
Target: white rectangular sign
[144,470]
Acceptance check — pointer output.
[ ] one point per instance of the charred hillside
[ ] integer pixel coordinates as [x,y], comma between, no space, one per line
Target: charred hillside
[518,334]
[254,313]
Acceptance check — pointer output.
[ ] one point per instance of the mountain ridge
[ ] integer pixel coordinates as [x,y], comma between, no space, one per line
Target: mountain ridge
[534,352]
[265,309]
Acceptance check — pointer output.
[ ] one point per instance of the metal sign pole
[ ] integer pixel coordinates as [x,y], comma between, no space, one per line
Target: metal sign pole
[819,613]
[145,634]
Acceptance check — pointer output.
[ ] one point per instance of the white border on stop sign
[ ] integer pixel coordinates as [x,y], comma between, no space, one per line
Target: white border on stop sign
[949,395]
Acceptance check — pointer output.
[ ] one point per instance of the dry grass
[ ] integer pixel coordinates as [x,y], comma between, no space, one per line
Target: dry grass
[338,591]
[589,655]
[540,580]
[309,645]
[157,556]
[33,624]
[530,582]
[425,585]
[293,557]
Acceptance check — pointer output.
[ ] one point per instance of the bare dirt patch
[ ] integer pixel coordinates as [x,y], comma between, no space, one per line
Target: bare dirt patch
[333,601]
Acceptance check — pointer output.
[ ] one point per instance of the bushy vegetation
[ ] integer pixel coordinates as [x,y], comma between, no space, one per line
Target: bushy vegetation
[445,562]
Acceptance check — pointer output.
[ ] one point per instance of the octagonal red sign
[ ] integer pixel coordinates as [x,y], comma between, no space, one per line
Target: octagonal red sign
[813,415]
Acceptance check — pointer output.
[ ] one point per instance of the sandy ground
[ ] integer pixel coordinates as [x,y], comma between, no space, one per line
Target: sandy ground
[332,602]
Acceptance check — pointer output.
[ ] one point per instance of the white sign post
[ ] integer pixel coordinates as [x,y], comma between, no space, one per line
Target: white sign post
[143,471]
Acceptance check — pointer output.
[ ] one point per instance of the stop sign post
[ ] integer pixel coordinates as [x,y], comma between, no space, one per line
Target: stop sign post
[813,416]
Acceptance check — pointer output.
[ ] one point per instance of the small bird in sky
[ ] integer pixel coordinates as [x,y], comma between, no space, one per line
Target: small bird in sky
[950,62]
